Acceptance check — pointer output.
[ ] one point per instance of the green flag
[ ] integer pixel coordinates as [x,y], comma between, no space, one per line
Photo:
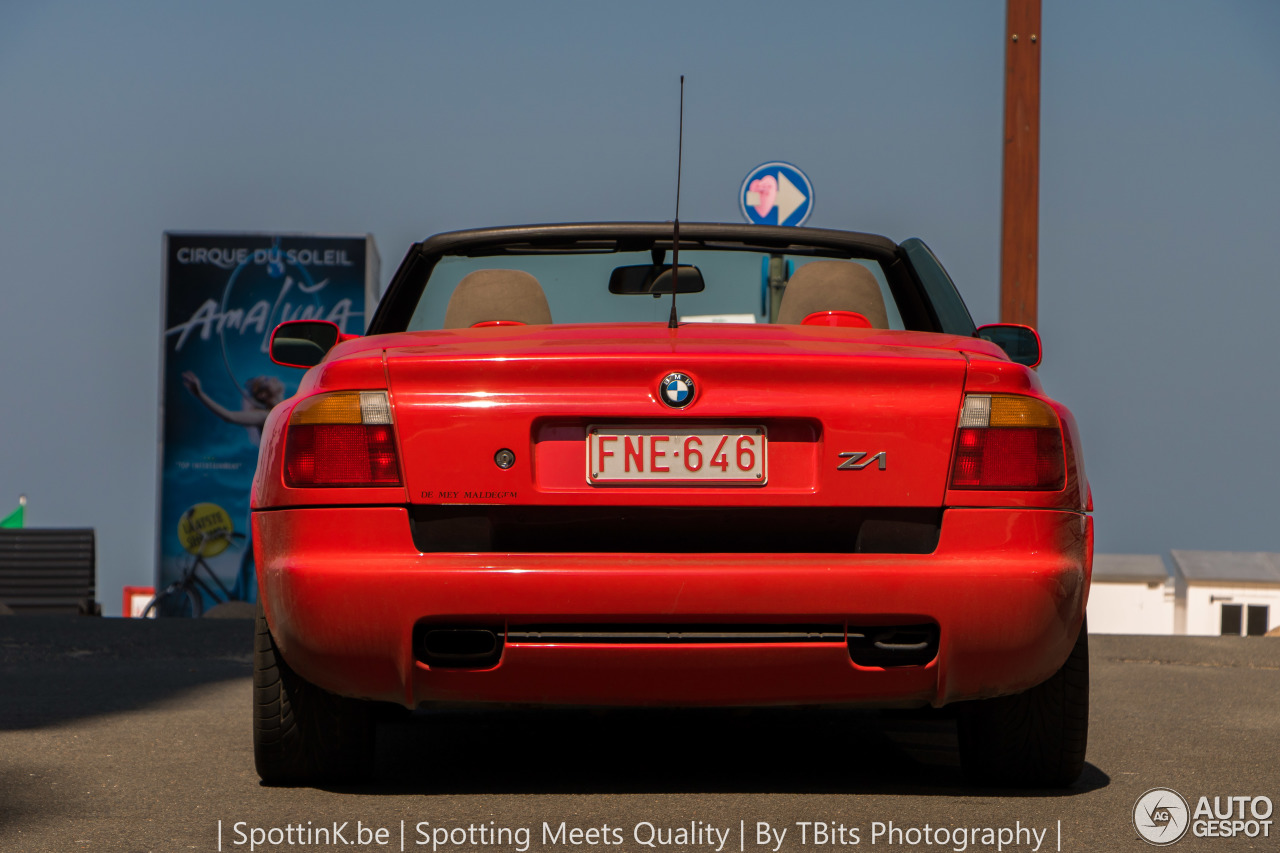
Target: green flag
[14,519]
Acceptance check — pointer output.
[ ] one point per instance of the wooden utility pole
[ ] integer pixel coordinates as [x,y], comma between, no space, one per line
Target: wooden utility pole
[1020,218]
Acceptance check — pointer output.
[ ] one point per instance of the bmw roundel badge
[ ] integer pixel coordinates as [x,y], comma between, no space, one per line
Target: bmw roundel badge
[676,390]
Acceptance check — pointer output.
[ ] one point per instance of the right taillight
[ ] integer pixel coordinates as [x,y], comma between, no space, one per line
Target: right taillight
[341,439]
[1008,441]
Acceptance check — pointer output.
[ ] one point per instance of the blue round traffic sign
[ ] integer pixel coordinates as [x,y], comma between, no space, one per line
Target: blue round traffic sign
[776,194]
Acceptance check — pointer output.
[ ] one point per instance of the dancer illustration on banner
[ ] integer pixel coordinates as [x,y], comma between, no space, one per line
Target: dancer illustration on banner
[264,394]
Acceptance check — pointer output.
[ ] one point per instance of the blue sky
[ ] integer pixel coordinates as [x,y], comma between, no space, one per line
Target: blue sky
[1158,206]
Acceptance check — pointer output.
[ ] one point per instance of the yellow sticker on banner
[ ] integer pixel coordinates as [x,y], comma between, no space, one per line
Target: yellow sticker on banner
[205,529]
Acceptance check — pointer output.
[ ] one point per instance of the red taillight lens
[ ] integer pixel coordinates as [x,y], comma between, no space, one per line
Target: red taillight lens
[1006,442]
[1008,458]
[324,448]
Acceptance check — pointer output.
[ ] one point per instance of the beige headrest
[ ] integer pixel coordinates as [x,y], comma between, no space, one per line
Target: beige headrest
[486,295]
[832,286]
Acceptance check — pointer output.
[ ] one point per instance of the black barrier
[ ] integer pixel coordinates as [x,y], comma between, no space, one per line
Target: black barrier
[49,571]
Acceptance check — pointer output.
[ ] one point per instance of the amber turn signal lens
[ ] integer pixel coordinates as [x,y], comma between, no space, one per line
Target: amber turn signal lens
[343,407]
[1006,410]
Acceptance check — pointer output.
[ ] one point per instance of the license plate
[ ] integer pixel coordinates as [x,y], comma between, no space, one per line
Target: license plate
[703,455]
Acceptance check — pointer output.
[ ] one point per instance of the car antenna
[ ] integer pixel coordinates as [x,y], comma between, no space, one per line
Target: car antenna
[675,238]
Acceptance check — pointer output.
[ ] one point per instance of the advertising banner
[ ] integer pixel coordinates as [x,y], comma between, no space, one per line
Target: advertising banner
[223,295]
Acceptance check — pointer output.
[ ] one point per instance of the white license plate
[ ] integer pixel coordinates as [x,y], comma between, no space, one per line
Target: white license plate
[627,454]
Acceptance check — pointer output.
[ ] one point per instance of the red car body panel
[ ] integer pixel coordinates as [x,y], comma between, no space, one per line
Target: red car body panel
[344,587]
[344,583]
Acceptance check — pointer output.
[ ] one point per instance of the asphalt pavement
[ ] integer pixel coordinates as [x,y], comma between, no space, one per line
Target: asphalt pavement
[132,735]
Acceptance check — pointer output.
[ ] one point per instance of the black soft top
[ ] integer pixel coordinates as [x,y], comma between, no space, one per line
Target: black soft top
[627,236]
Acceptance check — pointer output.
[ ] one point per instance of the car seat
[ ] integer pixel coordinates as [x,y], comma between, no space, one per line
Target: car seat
[832,286]
[497,296]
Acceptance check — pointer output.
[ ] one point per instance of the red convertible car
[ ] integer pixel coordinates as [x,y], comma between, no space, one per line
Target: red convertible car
[566,467]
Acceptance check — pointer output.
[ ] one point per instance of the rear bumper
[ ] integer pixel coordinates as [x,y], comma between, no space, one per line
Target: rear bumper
[344,587]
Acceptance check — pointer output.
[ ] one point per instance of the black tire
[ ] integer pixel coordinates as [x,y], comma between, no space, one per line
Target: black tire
[303,734]
[1033,739]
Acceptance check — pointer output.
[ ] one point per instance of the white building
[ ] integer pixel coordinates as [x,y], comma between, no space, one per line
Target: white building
[1230,592]
[1203,593]
[1132,594]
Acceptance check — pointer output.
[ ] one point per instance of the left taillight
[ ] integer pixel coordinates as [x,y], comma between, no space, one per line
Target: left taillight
[344,438]
[1008,441]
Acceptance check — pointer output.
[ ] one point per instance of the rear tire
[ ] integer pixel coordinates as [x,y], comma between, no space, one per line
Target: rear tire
[1033,739]
[303,734]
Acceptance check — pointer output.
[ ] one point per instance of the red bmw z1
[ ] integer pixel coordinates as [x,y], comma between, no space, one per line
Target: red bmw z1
[567,467]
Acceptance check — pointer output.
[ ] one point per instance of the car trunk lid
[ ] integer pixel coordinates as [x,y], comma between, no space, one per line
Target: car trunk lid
[853,418]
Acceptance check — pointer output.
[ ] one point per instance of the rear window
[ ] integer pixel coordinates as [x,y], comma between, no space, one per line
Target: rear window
[576,284]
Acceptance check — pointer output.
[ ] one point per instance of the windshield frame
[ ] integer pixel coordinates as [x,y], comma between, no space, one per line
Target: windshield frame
[398,304]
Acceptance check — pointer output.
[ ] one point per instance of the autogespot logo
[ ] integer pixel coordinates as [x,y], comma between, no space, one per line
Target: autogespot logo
[1161,816]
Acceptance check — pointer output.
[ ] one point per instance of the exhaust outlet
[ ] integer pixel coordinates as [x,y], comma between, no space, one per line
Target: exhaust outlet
[893,645]
[464,648]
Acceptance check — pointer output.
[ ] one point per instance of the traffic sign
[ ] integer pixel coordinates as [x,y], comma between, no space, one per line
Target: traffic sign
[776,194]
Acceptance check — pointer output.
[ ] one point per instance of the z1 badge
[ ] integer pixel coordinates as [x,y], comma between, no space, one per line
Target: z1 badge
[854,460]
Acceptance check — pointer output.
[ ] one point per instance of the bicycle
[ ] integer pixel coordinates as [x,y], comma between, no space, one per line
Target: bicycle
[186,596]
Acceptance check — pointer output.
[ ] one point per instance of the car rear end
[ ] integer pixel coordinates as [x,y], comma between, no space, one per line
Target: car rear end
[843,505]
[844,549]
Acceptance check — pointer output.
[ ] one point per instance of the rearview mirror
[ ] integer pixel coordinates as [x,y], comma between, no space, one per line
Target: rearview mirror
[1020,343]
[302,343]
[646,278]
